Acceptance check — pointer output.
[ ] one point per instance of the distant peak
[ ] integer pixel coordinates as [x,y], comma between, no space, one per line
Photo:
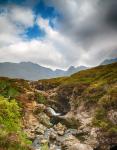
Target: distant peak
[109,61]
[71,67]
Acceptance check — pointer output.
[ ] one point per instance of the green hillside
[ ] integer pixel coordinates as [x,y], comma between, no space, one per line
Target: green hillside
[96,88]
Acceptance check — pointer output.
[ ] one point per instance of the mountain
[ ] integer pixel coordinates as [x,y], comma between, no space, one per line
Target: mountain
[73,70]
[109,61]
[25,70]
[32,71]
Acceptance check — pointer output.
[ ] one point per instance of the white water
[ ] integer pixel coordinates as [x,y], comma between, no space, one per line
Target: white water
[52,112]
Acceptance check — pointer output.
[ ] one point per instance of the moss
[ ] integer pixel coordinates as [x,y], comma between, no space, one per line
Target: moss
[40,98]
[12,92]
[45,146]
[11,88]
[113,130]
[109,100]
[82,136]
[101,120]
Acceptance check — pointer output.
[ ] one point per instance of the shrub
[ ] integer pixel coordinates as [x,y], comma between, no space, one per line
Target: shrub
[40,98]
[9,114]
[12,92]
[11,134]
[8,90]
[101,120]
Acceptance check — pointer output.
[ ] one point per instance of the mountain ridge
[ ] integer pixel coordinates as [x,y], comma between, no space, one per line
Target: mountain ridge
[33,71]
[109,61]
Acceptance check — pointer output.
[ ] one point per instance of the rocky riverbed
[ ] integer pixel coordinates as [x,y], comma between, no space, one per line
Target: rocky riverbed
[60,125]
[44,131]
[57,136]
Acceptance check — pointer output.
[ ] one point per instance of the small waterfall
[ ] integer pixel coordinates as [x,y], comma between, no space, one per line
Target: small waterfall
[52,112]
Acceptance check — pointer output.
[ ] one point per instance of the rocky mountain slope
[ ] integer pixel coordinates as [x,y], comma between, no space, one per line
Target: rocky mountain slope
[31,71]
[109,61]
[68,113]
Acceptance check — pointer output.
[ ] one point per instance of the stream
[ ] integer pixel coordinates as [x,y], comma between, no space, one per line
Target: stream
[54,136]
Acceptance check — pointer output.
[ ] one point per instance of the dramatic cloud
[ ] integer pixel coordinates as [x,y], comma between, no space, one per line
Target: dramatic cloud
[85,19]
[83,32]
[90,23]
[14,48]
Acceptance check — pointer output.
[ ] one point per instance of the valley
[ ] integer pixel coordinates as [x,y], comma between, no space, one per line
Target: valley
[78,112]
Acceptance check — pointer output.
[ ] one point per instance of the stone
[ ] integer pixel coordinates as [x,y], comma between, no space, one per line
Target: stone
[44,141]
[44,119]
[60,128]
[112,115]
[53,135]
[79,146]
[36,143]
[40,129]
[72,143]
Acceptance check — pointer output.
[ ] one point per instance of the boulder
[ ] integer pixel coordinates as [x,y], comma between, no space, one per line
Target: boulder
[79,146]
[72,143]
[40,129]
[44,119]
[60,128]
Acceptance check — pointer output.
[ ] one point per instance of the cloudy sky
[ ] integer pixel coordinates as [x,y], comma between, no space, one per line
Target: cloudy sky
[58,33]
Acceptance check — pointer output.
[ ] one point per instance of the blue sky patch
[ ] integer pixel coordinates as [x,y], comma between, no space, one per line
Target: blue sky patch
[11,1]
[45,11]
[34,32]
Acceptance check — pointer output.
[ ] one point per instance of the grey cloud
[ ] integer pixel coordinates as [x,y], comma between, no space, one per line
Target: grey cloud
[111,13]
[100,16]
[92,24]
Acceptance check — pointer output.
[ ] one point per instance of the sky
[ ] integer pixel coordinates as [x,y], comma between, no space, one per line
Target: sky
[58,33]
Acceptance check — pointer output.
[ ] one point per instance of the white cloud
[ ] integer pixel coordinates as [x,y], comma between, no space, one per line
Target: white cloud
[69,49]
[8,32]
[13,22]
[41,52]
[22,15]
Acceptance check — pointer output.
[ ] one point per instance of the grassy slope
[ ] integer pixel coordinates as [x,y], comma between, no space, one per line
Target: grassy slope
[96,88]
[103,74]
[100,90]
[94,84]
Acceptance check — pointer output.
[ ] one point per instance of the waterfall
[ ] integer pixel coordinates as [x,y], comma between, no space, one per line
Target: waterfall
[52,112]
